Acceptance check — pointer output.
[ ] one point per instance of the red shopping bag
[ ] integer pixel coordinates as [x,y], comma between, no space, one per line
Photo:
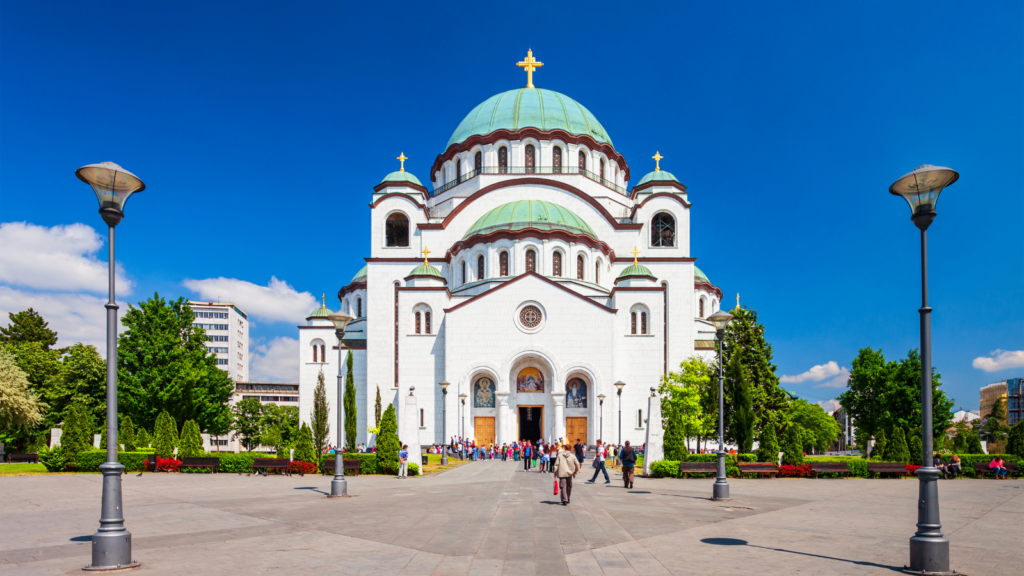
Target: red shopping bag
[556,486]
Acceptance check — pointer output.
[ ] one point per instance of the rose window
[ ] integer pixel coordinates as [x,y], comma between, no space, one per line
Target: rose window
[529,316]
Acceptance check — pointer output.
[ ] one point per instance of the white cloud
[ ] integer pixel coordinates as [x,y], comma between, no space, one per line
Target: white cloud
[277,361]
[829,406]
[58,258]
[815,374]
[276,302]
[1000,360]
[840,381]
[75,317]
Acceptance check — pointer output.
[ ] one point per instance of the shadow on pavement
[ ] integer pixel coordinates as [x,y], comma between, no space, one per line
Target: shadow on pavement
[82,539]
[737,542]
[313,488]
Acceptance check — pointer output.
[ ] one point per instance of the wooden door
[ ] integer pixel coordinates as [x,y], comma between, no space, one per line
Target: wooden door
[575,428]
[484,428]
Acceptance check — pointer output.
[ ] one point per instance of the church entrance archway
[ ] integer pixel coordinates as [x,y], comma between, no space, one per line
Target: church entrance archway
[484,427]
[531,422]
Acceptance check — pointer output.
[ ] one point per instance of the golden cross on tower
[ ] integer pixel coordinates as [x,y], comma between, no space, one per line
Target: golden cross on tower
[657,161]
[635,252]
[530,64]
[402,158]
[426,251]
[324,296]
[737,300]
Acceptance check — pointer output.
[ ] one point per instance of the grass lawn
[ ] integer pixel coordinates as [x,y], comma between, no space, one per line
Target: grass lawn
[26,470]
[434,463]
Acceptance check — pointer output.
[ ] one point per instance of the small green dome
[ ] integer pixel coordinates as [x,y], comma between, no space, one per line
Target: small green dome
[524,214]
[321,312]
[699,276]
[426,270]
[636,270]
[657,176]
[360,276]
[402,176]
[544,110]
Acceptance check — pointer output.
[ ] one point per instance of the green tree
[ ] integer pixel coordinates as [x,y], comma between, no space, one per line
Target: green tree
[284,419]
[376,409]
[993,427]
[28,326]
[41,368]
[881,450]
[792,446]
[742,414]
[350,404]
[126,433]
[320,424]
[191,440]
[960,443]
[915,450]
[388,443]
[897,450]
[974,444]
[747,334]
[248,420]
[163,364]
[142,439]
[270,437]
[304,450]
[20,407]
[819,430]
[680,405]
[166,433]
[1015,441]
[76,432]
[82,379]
[768,445]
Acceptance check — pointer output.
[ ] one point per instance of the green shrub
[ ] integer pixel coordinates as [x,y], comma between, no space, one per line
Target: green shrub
[414,469]
[670,468]
[53,459]
[1015,441]
[231,462]
[166,435]
[304,446]
[126,433]
[90,460]
[897,449]
[367,462]
[792,446]
[388,444]
[142,439]
[768,447]
[665,469]
[974,444]
[914,447]
[881,445]
[191,440]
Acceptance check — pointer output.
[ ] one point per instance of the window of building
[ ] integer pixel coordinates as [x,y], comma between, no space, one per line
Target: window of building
[556,264]
[640,418]
[597,272]
[700,308]
[503,159]
[503,264]
[417,322]
[579,267]
[531,159]
[583,160]
[632,322]
[323,353]
[359,307]
[643,322]
[480,267]
[396,230]
[458,170]
[530,316]
[239,354]
[421,418]
[556,159]
[426,321]
[663,230]
[315,350]
[218,350]
[531,261]
[211,326]
[601,174]
[222,361]
[220,315]
[478,161]
[216,338]
[462,265]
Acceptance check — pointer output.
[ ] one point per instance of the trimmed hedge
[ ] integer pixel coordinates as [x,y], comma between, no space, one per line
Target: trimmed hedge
[367,462]
[231,462]
[670,468]
[90,460]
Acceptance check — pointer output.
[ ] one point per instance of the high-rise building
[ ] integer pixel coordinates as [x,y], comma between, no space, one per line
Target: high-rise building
[227,335]
[989,395]
[1014,400]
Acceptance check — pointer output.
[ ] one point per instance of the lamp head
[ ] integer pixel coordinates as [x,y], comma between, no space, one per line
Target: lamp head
[921,188]
[620,385]
[601,398]
[340,321]
[112,185]
[720,319]
[444,386]
[654,391]
[463,397]
[411,388]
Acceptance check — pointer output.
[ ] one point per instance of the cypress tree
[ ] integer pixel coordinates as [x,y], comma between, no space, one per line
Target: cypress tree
[792,446]
[304,450]
[191,440]
[974,444]
[914,446]
[768,449]
[76,433]
[960,443]
[126,433]
[1015,440]
[166,435]
[897,449]
[675,440]
[742,404]
[103,436]
[350,404]
[747,334]
[142,439]
[881,446]
[376,409]
[319,419]
[388,443]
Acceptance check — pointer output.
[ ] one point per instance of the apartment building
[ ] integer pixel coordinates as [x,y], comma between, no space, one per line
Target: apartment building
[227,334]
[1014,400]
[989,395]
[268,393]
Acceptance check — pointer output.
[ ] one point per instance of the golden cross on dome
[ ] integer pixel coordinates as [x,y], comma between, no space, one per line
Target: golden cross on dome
[402,158]
[426,252]
[324,296]
[635,252]
[530,64]
[737,300]
[657,161]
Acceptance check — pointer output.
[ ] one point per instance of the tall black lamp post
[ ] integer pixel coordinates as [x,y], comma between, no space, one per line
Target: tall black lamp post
[444,422]
[720,491]
[339,486]
[600,398]
[112,543]
[929,550]
[463,397]
[619,386]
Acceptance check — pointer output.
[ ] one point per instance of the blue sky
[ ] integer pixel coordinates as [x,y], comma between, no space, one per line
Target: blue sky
[260,129]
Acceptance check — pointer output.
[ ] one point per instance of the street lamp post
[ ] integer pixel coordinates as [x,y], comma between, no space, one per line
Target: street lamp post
[600,398]
[463,397]
[929,550]
[720,491]
[444,422]
[620,385]
[112,543]
[339,486]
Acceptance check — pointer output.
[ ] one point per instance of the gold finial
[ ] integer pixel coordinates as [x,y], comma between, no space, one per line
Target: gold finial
[324,296]
[737,300]
[530,64]
[657,161]
[635,252]
[426,252]
[402,158]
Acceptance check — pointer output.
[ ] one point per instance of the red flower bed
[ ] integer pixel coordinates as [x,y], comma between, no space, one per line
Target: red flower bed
[167,464]
[794,471]
[300,467]
[912,468]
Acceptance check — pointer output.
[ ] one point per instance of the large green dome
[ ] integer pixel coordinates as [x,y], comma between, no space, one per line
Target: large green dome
[536,214]
[699,276]
[514,110]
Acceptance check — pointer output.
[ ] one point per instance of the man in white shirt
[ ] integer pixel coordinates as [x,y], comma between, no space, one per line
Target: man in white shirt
[600,454]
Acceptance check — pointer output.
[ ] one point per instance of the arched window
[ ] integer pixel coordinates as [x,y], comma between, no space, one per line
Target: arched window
[319,351]
[597,272]
[503,159]
[417,322]
[480,267]
[503,264]
[602,169]
[426,321]
[579,267]
[556,264]
[478,161]
[556,159]
[700,307]
[643,322]
[531,159]
[359,307]
[464,272]
[632,322]
[663,230]
[583,160]
[458,170]
[314,352]
[396,230]
[531,261]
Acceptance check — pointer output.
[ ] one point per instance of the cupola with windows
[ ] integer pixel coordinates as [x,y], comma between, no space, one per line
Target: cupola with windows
[401,179]
[658,180]
[319,315]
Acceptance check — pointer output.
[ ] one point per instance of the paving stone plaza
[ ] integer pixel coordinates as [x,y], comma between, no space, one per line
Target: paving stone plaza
[490,518]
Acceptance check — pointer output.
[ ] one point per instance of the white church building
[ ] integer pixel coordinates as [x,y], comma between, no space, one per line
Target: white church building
[529,277]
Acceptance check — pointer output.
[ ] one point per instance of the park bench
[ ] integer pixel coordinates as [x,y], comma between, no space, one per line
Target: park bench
[355,465]
[28,457]
[876,468]
[265,464]
[210,463]
[830,467]
[758,468]
[981,469]
[697,468]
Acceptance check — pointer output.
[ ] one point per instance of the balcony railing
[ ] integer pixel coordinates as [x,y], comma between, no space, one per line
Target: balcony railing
[544,170]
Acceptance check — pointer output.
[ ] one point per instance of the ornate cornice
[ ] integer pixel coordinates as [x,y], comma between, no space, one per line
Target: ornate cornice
[527,233]
[387,184]
[652,183]
[352,288]
[520,277]
[709,288]
[658,195]
[401,195]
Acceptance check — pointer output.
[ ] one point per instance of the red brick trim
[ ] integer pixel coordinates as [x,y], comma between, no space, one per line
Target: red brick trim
[384,185]
[351,288]
[658,195]
[709,287]
[653,183]
[657,259]
[517,279]
[400,195]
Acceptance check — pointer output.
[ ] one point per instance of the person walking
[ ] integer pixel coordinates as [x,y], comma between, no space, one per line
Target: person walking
[527,453]
[600,454]
[566,467]
[403,462]
[580,450]
[544,459]
[628,464]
